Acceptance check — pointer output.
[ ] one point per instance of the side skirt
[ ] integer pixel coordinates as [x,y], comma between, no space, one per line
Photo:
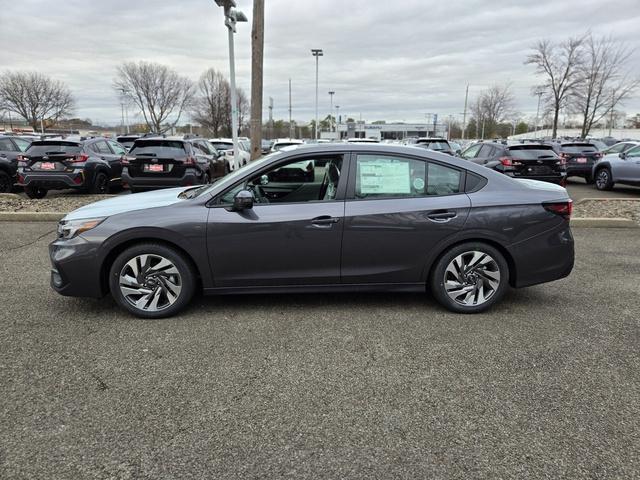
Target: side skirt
[352,287]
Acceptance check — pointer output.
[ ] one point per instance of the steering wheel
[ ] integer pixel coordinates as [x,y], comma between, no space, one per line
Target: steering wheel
[258,193]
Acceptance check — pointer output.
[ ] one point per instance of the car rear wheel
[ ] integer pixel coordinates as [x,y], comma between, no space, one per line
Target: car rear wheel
[6,185]
[152,280]
[100,184]
[35,192]
[470,278]
[603,179]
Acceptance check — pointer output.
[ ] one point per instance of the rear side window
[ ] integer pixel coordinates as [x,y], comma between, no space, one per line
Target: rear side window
[379,176]
[159,148]
[22,144]
[486,151]
[532,153]
[52,148]
[102,147]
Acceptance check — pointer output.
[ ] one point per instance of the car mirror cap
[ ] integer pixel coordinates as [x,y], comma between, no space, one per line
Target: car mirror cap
[243,200]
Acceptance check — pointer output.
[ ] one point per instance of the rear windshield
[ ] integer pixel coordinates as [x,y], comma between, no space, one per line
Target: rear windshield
[53,148]
[434,144]
[279,146]
[222,145]
[532,152]
[578,148]
[158,148]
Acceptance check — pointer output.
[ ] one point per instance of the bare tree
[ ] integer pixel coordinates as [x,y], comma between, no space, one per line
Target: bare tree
[604,83]
[560,63]
[492,107]
[34,97]
[211,108]
[243,107]
[158,91]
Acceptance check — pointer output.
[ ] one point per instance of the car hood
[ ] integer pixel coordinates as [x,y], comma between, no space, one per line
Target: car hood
[128,203]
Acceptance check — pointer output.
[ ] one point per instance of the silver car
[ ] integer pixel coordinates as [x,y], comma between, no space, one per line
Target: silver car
[623,167]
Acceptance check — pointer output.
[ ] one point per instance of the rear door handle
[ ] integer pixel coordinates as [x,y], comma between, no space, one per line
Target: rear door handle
[441,217]
[324,221]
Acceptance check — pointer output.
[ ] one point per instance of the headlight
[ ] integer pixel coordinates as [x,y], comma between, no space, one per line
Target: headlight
[71,228]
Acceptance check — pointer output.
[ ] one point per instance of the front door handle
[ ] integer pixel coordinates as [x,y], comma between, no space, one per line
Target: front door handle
[441,217]
[324,221]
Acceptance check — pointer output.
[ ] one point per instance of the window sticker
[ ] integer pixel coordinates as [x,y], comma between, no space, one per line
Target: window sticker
[384,177]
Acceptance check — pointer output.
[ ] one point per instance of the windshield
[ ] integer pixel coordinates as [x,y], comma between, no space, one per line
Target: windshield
[222,145]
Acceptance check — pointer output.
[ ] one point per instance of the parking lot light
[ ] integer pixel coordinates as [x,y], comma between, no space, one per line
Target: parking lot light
[231,17]
[317,52]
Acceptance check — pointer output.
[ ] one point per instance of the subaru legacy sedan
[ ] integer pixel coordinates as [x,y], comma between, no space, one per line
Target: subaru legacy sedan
[321,218]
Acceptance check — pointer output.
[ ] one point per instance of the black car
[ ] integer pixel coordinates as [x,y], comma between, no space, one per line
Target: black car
[11,147]
[525,160]
[160,162]
[580,156]
[436,144]
[92,166]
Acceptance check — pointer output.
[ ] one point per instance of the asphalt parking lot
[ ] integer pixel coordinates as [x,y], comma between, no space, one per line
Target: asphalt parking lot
[579,190]
[546,385]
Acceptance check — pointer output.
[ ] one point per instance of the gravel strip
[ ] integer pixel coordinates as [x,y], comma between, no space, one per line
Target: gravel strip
[58,204]
[608,209]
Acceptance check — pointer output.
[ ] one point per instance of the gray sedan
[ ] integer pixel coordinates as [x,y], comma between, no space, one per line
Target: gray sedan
[623,167]
[321,218]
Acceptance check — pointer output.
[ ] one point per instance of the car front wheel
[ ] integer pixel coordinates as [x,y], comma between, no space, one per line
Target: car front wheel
[152,280]
[470,278]
[100,184]
[603,179]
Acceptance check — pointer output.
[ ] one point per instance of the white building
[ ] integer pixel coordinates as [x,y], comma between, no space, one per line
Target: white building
[385,131]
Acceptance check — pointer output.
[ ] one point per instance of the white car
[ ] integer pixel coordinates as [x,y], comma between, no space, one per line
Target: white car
[226,145]
[280,143]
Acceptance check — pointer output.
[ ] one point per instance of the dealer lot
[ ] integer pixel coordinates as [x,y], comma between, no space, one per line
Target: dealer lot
[323,386]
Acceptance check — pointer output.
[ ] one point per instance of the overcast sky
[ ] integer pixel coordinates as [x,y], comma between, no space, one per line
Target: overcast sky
[385,60]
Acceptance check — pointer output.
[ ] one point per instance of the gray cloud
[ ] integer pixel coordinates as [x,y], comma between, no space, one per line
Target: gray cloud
[385,60]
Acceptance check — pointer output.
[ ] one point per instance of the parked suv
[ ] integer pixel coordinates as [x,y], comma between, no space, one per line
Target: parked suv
[623,167]
[580,157]
[159,162]
[226,145]
[529,160]
[11,147]
[93,165]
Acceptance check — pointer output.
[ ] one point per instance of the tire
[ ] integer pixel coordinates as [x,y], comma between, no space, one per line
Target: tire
[171,289]
[493,279]
[6,184]
[603,179]
[100,185]
[35,192]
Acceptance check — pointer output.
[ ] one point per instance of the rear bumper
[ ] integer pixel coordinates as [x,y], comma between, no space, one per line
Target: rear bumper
[580,170]
[52,181]
[544,258]
[190,177]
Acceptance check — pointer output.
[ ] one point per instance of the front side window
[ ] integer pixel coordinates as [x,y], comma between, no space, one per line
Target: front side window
[117,148]
[380,176]
[634,152]
[486,151]
[298,181]
[102,147]
[6,145]
[22,144]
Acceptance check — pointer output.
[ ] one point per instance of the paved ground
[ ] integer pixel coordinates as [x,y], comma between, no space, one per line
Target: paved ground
[578,190]
[547,385]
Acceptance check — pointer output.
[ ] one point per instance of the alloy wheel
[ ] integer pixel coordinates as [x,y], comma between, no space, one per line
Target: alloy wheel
[150,282]
[472,278]
[602,179]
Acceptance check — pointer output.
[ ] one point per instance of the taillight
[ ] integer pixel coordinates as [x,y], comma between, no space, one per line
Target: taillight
[127,160]
[564,209]
[506,161]
[190,161]
[22,161]
[82,157]
[562,160]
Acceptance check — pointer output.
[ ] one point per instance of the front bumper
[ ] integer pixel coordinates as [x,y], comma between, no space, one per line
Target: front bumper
[190,177]
[52,180]
[75,269]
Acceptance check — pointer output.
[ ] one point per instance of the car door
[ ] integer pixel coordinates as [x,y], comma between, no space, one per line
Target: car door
[289,240]
[105,154]
[398,210]
[115,160]
[628,170]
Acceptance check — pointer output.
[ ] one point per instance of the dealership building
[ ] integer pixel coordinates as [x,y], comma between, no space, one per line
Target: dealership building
[386,131]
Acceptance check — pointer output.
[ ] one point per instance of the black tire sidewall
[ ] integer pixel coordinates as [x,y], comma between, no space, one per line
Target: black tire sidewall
[179,260]
[35,193]
[437,277]
[96,182]
[609,183]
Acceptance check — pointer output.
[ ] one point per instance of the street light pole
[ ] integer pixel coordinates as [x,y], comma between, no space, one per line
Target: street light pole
[331,123]
[232,16]
[316,52]
[539,92]
[338,122]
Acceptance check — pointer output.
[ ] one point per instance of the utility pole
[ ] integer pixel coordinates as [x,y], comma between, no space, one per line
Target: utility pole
[316,52]
[271,117]
[257,53]
[339,122]
[291,132]
[539,92]
[464,115]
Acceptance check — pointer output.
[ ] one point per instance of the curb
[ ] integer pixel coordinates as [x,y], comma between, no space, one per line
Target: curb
[596,199]
[31,216]
[594,222]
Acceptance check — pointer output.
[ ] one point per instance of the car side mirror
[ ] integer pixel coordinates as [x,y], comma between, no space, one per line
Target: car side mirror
[243,201]
[622,155]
